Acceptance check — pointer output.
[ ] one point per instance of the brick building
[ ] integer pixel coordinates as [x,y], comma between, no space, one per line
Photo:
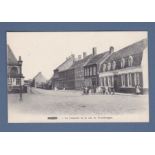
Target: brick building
[91,69]
[77,71]
[63,78]
[121,70]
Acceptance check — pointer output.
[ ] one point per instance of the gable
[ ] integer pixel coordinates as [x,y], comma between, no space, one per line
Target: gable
[11,59]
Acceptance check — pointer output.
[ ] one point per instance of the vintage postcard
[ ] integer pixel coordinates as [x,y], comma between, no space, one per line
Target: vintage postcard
[93,76]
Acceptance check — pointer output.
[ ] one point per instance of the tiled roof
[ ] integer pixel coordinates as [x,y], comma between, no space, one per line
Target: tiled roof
[40,75]
[11,57]
[95,59]
[132,49]
[61,65]
[65,65]
[81,62]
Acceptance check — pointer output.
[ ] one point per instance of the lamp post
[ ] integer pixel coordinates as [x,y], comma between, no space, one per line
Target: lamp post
[20,75]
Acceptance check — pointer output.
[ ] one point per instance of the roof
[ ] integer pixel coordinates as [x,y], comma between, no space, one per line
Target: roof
[80,63]
[95,59]
[41,76]
[11,57]
[66,64]
[60,65]
[135,48]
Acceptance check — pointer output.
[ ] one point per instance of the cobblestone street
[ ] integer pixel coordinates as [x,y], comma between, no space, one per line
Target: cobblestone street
[38,105]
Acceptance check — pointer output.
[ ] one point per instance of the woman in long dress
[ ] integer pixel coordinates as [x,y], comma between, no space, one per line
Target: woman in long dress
[138,91]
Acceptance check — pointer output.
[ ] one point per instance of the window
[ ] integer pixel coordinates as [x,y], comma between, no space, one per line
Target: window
[104,67]
[112,81]
[137,79]
[91,71]
[14,71]
[105,81]
[122,63]
[123,80]
[130,61]
[129,77]
[109,81]
[94,70]
[9,81]
[17,81]
[114,65]
[109,66]
[87,71]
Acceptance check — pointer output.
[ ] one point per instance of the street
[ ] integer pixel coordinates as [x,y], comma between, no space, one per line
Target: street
[38,105]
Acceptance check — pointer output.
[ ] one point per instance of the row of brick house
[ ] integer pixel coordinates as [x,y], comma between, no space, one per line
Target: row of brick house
[122,69]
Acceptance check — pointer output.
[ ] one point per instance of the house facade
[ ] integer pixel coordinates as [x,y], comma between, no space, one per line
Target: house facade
[14,72]
[63,77]
[77,70]
[91,69]
[126,69]
[39,81]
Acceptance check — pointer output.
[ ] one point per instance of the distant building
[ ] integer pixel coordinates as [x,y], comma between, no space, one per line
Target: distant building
[49,84]
[13,72]
[126,68]
[28,82]
[39,81]
[91,69]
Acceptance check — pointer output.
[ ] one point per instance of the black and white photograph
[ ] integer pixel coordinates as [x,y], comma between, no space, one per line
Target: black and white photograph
[81,76]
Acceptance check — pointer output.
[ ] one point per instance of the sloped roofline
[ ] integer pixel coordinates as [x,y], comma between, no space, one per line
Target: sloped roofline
[40,73]
[82,61]
[126,49]
[98,60]
[11,55]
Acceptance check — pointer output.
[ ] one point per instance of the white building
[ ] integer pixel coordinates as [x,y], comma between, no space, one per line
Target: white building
[13,72]
[39,81]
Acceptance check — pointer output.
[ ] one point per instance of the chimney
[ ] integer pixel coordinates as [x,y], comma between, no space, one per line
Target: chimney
[79,57]
[84,54]
[111,49]
[20,59]
[94,51]
[72,56]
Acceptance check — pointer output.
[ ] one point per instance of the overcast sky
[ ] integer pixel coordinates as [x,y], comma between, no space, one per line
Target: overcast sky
[44,51]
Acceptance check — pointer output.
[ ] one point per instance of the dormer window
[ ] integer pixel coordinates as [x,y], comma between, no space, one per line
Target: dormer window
[109,66]
[130,61]
[14,71]
[114,65]
[122,63]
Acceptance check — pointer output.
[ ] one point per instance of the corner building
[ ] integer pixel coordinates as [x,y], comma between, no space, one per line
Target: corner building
[126,68]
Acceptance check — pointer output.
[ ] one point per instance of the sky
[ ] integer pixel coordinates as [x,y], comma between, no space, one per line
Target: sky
[44,51]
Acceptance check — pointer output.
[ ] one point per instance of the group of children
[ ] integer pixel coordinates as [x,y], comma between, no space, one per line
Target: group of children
[107,90]
[102,90]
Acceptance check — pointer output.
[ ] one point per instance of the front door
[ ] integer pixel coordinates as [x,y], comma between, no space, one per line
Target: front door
[94,82]
[116,82]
